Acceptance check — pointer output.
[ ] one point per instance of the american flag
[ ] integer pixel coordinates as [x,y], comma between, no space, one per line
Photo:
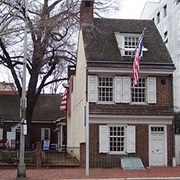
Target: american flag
[63,105]
[137,58]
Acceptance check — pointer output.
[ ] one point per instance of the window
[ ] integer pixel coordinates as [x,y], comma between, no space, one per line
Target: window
[159,129]
[165,10]
[117,139]
[130,43]
[119,89]
[166,36]
[127,43]
[105,89]
[45,134]
[158,17]
[138,93]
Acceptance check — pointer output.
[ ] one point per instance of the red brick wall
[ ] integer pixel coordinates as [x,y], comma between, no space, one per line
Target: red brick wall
[164,91]
[86,12]
[109,161]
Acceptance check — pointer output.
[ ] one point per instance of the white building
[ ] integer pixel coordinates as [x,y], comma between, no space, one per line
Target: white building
[166,16]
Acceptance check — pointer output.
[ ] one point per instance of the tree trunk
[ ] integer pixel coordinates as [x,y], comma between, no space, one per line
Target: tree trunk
[31,102]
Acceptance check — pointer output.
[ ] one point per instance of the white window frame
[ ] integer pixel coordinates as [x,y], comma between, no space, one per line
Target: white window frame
[43,133]
[120,38]
[150,91]
[129,139]
[124,137]
[140,91]
[100,99]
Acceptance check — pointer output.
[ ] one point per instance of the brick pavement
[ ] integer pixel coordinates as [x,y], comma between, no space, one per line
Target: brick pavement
[95,173]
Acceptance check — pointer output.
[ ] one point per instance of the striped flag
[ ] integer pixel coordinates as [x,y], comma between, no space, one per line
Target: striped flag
[137,58]
[63,105]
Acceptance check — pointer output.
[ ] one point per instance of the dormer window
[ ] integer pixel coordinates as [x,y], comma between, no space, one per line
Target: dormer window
[130,43]
[127,43]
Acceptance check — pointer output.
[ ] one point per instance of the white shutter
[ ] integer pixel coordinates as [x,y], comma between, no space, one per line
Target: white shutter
[126,89]
[103,139]
[131,139]
[151,88]
[118,89]
[92,88]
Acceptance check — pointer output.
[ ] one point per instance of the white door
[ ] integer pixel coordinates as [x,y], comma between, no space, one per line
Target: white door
[157,146]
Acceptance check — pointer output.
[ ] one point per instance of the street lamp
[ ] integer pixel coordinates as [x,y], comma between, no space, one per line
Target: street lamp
[23,104]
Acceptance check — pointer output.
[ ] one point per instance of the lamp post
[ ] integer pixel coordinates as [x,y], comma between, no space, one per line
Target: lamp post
[23,104]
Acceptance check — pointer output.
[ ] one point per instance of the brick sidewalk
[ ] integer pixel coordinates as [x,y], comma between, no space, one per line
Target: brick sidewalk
[95,173]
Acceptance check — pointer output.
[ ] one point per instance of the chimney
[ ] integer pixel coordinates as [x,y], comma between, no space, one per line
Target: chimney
[86,12]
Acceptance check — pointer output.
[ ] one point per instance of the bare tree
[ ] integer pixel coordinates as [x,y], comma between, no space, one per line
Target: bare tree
[52,37]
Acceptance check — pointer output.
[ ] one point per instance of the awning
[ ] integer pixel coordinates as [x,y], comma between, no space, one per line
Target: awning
[60,120]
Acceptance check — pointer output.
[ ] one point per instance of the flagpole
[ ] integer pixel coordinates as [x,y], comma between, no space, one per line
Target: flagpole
[87,138]
[137,58]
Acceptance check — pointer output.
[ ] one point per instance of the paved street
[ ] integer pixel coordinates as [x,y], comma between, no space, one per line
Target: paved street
[95,173]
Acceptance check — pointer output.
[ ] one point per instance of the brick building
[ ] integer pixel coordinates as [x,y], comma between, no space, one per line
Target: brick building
[124,120]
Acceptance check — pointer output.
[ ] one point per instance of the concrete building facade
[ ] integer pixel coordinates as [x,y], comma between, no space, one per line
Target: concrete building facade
[166,16]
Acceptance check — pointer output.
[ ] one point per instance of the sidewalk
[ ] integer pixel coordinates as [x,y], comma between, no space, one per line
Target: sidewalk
[94,173]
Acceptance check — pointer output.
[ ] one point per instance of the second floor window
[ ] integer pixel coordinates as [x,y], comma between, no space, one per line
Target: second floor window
[138,93]
[119,89]
[105,89]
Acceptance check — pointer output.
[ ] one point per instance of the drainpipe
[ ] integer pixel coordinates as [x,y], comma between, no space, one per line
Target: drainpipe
[173,128]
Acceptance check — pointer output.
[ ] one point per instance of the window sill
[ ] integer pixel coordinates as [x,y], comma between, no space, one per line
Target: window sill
[117,153]
[139,103]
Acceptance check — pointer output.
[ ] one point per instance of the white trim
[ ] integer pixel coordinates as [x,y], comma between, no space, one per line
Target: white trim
[121,71]
[133,119]
[165,143]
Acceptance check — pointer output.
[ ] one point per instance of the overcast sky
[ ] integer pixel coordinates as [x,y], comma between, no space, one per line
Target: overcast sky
[131,9]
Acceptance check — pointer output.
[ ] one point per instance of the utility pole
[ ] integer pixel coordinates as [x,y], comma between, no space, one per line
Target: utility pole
[23,104]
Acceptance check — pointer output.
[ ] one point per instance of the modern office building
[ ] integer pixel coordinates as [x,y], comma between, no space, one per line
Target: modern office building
[166,16]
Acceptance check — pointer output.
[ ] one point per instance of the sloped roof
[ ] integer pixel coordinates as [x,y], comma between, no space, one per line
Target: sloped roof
[46,109]
[101,45]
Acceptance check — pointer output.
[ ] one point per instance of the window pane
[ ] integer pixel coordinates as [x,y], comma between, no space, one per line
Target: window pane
[138,92]
[117,138]
[105,89]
